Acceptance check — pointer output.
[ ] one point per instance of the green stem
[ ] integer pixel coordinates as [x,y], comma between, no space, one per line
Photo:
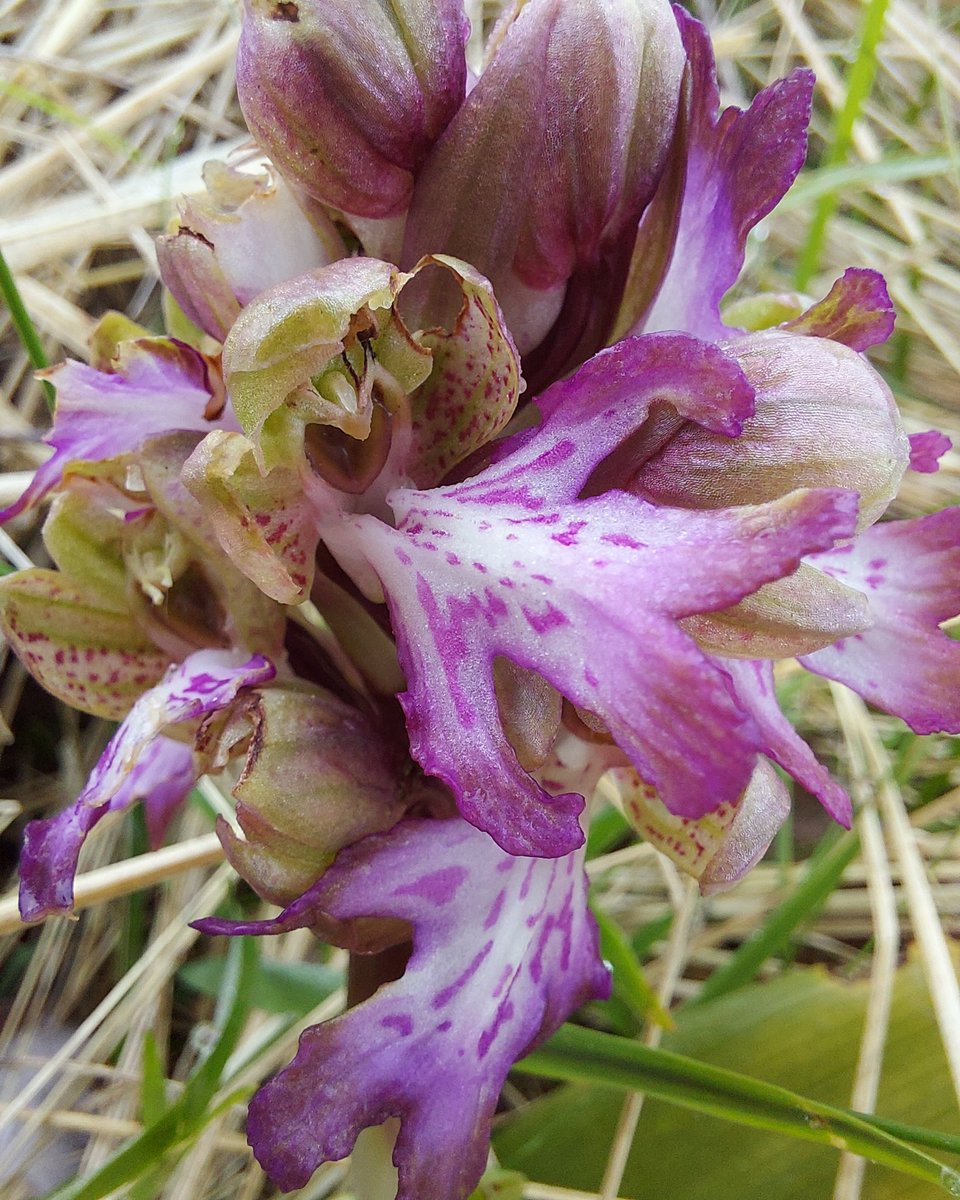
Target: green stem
[26,330]
[859,84]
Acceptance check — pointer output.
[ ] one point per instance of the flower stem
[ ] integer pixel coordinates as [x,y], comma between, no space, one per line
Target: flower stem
[859,85]
[26,330]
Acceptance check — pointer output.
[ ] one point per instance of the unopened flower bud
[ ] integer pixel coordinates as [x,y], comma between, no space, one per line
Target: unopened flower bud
[347,98]
[541,178]
[719,848]
[316,778]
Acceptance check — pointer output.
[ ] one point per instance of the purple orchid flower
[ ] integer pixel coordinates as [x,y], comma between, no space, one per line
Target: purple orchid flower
[605,584]
[495,566]
[157,385]
[138,763]
[504,948]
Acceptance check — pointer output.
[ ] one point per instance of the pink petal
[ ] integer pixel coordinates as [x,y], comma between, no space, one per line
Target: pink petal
[504,950]
[160,385]
[739,166]
[754,687]
[905,664]
[926,450]
[586,592]
[857,311]
[203,683]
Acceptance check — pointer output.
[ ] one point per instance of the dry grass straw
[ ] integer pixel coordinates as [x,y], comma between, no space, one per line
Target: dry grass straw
[107,112]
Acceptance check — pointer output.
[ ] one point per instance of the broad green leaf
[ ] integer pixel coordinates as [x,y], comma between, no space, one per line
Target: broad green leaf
[800,1032]
[277,987]
[498,1184]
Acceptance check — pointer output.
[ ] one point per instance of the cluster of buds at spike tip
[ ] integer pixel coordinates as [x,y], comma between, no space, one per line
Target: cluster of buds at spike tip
[538,177]
[455,487]
[347,99]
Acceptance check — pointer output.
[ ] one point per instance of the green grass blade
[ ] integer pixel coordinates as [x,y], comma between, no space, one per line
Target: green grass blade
[629,981]
[576,1054]
[833,179]
[69,116]
[932,1139]
[153,1084]
[26,330]
[859,84]
[801,905]
[187,1116]
[607,829]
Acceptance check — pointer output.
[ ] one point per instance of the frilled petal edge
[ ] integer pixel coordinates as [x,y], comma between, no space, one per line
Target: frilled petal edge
[504,948]
[159,385]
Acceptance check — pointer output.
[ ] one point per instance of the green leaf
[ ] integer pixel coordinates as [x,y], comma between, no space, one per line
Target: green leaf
[183,1120]
[808,897]
[801,1032]
[276,987]
[498,1184]
[629,982]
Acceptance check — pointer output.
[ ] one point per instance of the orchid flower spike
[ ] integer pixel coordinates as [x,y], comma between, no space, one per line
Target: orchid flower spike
[458,485]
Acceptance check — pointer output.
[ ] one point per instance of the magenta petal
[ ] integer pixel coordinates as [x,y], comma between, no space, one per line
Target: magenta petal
[161,779]
[586,417]
[740,164]
[160,386]
[504,950]
[754,688]
[926,450]
[136,758]
[905,664]
[587,593]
